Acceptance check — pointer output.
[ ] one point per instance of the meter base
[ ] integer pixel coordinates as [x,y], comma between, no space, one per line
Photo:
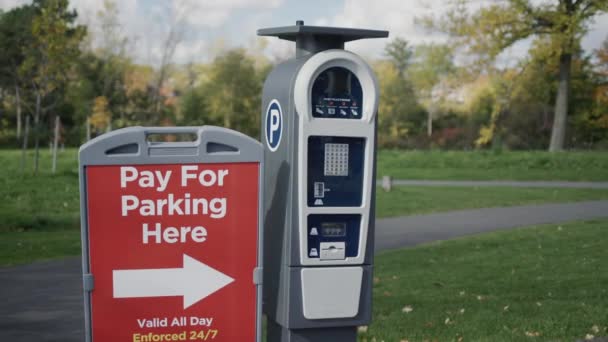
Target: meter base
[278,333]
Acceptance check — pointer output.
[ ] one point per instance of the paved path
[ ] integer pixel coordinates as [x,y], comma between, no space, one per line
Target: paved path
[511,184]
[414,230]
[43,301]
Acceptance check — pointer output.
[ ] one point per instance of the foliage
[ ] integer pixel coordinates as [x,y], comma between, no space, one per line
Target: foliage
[491,29]
[233,92]
[48,68]
[400,53]
[55,44]
[101,117]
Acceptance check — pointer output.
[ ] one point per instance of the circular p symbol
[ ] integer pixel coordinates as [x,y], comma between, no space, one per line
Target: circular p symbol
[274,125]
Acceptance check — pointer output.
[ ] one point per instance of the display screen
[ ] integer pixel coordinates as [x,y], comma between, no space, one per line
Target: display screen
[337,93]
[333,229]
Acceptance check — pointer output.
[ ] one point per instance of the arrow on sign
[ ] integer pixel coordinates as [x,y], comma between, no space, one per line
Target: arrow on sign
[194,281]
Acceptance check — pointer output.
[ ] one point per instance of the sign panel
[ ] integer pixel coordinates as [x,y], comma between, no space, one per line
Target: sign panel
[172,249]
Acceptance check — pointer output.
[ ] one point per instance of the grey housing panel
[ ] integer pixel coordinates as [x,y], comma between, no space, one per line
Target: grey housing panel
[131,146]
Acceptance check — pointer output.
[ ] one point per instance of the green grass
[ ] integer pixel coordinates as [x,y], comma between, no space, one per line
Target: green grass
[46,202]
[403,200]
[487,165]
[39,215]
[24,247]
[547,280]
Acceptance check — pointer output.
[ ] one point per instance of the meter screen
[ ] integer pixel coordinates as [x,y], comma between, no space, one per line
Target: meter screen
[336,160]
[337,93]
[333,229]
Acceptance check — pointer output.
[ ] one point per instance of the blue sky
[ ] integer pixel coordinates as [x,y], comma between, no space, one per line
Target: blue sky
[211,25]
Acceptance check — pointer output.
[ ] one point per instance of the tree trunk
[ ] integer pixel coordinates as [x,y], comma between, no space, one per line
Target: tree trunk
[56,143]
[24,147]
[88,129]
[558,133]
[37,133]
[18,107]
[429,121]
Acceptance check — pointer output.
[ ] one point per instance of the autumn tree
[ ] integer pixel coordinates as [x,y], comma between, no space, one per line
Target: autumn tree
[491,29]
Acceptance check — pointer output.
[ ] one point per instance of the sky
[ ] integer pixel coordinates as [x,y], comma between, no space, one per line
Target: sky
[208,26]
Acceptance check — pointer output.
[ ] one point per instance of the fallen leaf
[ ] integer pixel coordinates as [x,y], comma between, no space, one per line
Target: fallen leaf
[447,321]
[589,337]
[376,280]
[387,294]
[595,329]
[539,304]
[506,308]
[480,297]
[407,309]
[532,333]
[462,293]
[461,311]
[362,329]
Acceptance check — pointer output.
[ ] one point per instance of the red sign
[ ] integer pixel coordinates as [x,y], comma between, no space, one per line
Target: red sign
[172,251]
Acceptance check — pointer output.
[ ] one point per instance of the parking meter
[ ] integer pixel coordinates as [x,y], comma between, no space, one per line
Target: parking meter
[319,131]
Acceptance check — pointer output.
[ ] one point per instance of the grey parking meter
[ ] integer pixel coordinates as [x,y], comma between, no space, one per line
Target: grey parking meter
[319,130]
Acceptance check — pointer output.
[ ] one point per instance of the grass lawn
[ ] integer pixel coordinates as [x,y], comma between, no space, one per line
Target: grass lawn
[488,165]
[404,200]
[39,215]
[545,283]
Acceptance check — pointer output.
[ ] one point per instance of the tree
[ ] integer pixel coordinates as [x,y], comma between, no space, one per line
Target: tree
[113,58]
[401,115]
[194,109]
[233,91]
[491,29]
[49,57]
[15,32]
[429,74]
[400,54]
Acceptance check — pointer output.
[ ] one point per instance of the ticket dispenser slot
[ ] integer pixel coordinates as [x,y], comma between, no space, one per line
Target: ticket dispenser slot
[319,127]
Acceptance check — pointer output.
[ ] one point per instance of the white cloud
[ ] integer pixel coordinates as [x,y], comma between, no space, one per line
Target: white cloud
[214,13]
[8,4]
[396,16]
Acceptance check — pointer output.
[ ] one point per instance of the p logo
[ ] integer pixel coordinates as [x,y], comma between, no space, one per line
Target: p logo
[274,125]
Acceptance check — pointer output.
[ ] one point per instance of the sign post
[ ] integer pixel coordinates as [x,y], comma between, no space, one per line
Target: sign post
[171,236]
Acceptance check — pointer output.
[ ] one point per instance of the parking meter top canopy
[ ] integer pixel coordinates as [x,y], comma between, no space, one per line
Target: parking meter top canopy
[313,39]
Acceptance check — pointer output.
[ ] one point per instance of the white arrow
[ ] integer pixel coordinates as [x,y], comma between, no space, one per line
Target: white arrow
[194,281]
